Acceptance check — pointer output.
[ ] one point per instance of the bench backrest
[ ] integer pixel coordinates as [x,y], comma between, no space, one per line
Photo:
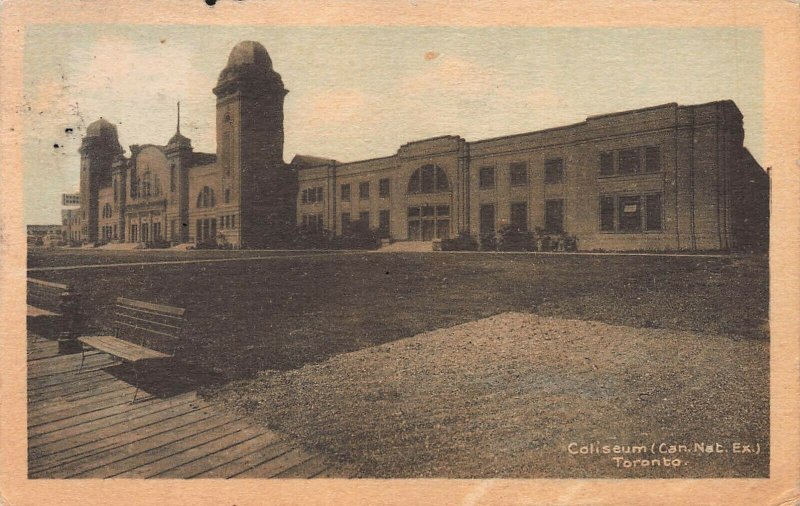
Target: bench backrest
[45,294]
[153,326]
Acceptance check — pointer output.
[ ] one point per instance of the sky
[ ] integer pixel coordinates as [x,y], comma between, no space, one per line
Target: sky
[362,92]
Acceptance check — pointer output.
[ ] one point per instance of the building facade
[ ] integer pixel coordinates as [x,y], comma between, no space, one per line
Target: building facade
[668,177]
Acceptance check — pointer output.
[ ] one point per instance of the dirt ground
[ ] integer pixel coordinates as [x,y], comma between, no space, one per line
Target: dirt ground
[519,395]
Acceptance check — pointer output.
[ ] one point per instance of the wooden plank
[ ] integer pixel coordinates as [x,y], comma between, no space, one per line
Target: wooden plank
[307,469]
[247,462]
[220,458]
[277,465]
[36,312]
[172,461]
[160,447]
[75,407]
[58,381]
[42,466]
[54,391]
[47,284]
[121,348]
[123,396]
[74,437]
[69,365]
[96,466]
[118,419]
[149,306]
[129,409]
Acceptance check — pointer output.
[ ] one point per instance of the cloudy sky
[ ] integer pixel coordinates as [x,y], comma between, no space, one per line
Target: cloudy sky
[361,92]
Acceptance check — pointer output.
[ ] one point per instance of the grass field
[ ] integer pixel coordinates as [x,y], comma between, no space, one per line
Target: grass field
[352,364]
[282,313]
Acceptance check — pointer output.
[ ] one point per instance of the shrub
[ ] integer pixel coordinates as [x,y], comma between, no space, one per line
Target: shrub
[464,242]
[510,238]
[488,242]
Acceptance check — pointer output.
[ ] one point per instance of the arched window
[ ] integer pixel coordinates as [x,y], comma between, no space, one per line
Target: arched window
[206,197]
[428,179]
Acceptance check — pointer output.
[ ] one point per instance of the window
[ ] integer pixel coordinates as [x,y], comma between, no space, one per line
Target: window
[233,221]
[428,179]
[345,221]
[384,188]
[554,170]
[652,206]
[519,215]
[554,216]
[630,214]
[519,174]
[206,197]
[172,230]
[486,178]
[428,222]
[115,191]
[363,190]
[607,163]
[652,159]
[607,214]
[319,194]
[345,193]
[227,195]
[304,197]
[363,217]
[629,161]
[172,178]
[487,218]
[383,223]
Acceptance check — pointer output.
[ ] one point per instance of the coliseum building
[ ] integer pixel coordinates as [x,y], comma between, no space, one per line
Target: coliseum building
[668,177]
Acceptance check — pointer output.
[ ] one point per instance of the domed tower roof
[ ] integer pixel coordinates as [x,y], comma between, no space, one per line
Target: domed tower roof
[104,132]
[248,62]
[101,128]
[249,52]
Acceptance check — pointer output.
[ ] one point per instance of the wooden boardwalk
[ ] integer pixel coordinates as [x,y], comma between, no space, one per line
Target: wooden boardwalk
[82,424]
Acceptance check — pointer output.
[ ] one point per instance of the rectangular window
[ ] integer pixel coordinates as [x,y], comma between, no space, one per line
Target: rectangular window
[319,194]
[519,215]
[653,211]
[345,221]
[383,222]
[320,224]
[233,221]
[554,170]
[607,214]
[519,174]
[304,198]
[554,216]
[486,178]
[629,162]
[652,159]
[607,163]
[487,218]
[630,214]
[363,217]
[384,188]
[363,190]
[345,193]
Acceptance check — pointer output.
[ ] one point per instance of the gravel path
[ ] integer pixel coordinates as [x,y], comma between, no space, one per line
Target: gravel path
[505,396]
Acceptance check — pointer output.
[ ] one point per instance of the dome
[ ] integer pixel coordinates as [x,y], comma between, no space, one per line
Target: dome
[180,141]
[249,52]
[101,128]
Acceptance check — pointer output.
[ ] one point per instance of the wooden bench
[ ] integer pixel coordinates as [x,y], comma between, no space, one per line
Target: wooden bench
[44,297]
[139,328]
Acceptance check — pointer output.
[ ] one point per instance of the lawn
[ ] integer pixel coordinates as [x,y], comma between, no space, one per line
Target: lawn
[286,312]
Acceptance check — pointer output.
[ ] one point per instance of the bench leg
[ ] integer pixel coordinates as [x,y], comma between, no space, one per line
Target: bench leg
[83,356]
[136,374]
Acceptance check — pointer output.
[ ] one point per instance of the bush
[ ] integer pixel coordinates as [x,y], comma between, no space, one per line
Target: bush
[156,244]
[510,238]
[488,242]
[464,242]
[358,236]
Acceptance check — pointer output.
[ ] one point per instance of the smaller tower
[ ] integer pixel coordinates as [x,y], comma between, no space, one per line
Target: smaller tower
[98,150]
[179,154]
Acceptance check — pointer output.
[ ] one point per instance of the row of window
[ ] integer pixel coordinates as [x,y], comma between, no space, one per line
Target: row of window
[107,211]
[313,222]
[518,174]
[364,219]
[227,221]
[384,189]
[147,232]
[630,161]
[630,213]
[108,232]
[553,217]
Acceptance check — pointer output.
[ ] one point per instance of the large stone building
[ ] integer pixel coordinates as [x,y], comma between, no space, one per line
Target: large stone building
[668,177]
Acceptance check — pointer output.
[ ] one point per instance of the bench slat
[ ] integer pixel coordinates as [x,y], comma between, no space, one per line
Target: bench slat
[123,315]
[157,308]
[145,329]
[122,349]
